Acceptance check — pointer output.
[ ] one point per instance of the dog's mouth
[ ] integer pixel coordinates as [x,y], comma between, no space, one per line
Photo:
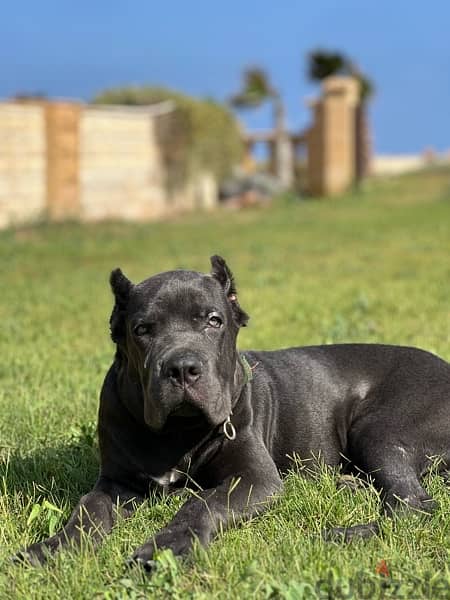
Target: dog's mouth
[185,416]
[186,410]
[175,423]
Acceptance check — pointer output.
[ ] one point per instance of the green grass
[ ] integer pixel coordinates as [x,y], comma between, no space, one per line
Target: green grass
[373,266]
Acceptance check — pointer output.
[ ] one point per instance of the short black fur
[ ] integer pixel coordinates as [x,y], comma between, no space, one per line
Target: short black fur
[168,419]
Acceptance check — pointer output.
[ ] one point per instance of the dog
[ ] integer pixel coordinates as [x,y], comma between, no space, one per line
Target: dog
[181,404]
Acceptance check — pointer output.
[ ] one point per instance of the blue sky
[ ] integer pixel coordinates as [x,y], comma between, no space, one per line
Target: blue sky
[74,49]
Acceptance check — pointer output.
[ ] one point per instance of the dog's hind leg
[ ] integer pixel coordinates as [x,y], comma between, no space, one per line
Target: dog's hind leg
[395,477]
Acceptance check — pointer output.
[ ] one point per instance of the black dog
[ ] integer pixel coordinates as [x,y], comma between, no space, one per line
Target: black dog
[181,404]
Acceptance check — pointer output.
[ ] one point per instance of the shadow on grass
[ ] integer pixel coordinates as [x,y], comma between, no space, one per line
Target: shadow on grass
[62,472]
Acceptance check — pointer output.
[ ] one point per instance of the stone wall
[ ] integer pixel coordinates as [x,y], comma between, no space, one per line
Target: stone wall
[65,160]
[121,175]
[397,164]
[22,163]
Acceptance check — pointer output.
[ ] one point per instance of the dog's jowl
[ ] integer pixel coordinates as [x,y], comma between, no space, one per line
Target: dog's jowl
[180,405]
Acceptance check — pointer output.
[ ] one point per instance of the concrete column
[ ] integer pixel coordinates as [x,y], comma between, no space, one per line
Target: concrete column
[62,136]
[331,139]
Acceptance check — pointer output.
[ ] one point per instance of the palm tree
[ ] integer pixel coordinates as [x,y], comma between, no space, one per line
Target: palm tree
[322,64]
[256,90]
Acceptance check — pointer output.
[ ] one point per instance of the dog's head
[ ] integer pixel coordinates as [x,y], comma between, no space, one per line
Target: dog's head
[176,333]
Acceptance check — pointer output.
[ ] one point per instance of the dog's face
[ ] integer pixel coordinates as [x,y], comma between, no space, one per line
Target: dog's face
[176,332]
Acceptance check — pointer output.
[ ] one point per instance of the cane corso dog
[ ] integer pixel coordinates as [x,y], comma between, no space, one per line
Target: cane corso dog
[181,406]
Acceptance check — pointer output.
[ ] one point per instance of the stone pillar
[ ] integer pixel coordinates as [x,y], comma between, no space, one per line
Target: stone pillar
[248,163]
[284,156]
[62,135]
[272,157]
[331,139]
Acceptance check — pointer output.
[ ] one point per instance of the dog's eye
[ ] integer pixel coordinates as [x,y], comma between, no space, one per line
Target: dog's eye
[214,320]
[141,330]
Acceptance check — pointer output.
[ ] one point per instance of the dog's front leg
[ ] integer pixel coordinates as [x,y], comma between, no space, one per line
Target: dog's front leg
[93,516]
[243,493]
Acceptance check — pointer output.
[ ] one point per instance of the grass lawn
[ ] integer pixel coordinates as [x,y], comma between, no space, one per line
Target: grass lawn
[373,266]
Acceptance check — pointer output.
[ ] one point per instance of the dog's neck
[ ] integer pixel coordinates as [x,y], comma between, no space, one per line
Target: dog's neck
[242,377]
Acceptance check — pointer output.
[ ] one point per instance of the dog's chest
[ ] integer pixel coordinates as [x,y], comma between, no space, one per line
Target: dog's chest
[167,478]
[177,474]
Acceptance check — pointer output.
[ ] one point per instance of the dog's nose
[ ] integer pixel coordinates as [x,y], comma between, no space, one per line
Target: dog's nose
[183,371]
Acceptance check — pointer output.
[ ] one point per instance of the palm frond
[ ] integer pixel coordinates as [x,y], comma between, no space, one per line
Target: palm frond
[256,89]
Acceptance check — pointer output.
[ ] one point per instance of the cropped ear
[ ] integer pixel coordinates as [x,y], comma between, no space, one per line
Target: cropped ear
[224,276]
[121,287]
[222,273]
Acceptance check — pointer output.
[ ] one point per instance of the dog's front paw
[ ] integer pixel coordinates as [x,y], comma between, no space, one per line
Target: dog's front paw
[36,554]
[178,540]
[141,559]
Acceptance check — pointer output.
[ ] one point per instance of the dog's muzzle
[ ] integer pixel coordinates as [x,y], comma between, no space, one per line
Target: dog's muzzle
[182,369]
